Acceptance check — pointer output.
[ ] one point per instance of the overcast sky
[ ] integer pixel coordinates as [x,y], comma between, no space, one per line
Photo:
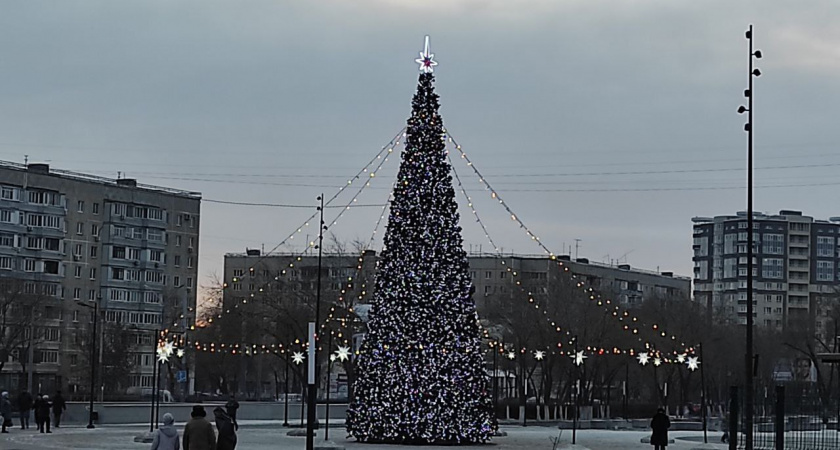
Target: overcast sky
[554,101]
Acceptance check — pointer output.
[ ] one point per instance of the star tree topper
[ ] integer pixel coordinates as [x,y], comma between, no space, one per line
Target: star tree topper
[426,59]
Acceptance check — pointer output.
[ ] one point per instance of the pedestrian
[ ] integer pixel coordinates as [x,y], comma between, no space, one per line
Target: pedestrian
[232,407]
[724,426]
[166,437]
[198,433]
[227,432]
[5,412]
[660,425]
[24,404]
[58,407]
[42,413]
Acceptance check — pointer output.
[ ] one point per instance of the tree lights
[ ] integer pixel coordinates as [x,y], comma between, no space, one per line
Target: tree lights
[420,371]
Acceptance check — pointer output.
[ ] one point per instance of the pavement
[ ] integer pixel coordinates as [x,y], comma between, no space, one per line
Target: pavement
[271,435]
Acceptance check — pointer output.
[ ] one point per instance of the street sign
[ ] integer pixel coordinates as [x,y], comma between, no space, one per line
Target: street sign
[181,376]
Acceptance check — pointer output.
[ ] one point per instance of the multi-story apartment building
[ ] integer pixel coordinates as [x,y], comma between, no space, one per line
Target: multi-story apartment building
[795,267]
[78,240]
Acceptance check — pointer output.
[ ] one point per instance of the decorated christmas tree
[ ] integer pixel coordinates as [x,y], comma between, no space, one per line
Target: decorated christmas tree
[420,374]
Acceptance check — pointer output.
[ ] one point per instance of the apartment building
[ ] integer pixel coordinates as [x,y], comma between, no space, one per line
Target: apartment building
[77,240]
[795,267]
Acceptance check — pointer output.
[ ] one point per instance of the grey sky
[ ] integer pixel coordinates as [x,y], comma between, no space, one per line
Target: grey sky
[179,92]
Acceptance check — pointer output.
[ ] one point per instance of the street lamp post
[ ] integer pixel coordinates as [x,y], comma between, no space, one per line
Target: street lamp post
[749,363]
[329,379]
[92,361]
[286,391]
[313,388]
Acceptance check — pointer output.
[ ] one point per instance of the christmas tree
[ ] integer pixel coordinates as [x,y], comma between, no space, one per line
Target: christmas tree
[420,374]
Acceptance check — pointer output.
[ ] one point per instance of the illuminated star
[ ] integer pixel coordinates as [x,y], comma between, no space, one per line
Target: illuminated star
[297,358]
[657,362]
[511,355]
[539,355]
[162,357]
[579,357]
[168,348]
[693,363]
[343,353]
[426,59]
[643,358]
[332,358]
[180,353]
[681,358]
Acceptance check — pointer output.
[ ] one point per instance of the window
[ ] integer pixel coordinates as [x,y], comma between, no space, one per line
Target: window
[91,295]
[92,273]
[153,276]
[178,241]
[96,208]
[729,241]
[189,262]
[117,231]
[825,246]
[94,229]
[238,286]
[29,265]
[94,251]
[154,235]
[177,260]
[51,267]
[48,356]
[80,228]
[488,275]
[156,256]
[151,297]
[118,252]
[134,254]
[730,267]
[237,272]
[177,281]
[772,267]
[44,198]
[76,315]
[78,271]
[6,262]
[9,193]
[189,281]
[6,216]
[74,360]
[81,206]
[77,250]
[117,273]
[77,294]
[178,220]
[825,270]
[192,242]
[773,244]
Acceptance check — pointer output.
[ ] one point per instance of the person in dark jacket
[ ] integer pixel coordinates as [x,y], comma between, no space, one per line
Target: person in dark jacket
[42,413]
[199,434]
[5,411]
[226,429]
[24,404]
[660,425]
[166,437]
[232,406]
[58,408]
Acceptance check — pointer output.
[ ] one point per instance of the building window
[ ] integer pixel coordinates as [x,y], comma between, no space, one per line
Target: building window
[77,272]
[177,260]
[94,251]
[192,242]
[189,262]
[81,206]
[48,356]
[6,262]
[825,246]
[77,293]
[9,193]
[177,281]
[29,265]
[178,241]
[96,208]
[238,272]
[7,240]
[178,219]
[825,270]
[91,295]
[80,228]
[189,282]
[773,244]
[488,275]
[772,268]
[77,251]
[94,230]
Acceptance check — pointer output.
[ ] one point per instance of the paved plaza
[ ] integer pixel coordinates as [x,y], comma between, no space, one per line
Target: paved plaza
[264,436]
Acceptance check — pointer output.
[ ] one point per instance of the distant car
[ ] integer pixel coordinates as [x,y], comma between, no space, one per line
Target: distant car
[293,398]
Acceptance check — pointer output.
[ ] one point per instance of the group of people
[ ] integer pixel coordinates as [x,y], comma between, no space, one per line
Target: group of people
[40,404]
[198,432]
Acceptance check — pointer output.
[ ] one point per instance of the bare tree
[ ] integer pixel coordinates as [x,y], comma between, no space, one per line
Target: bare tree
[21,309]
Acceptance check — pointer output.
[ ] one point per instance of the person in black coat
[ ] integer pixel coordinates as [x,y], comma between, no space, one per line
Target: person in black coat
[232,406]
[24,404]
[660,425]
[42,413]
[58,407]
[226,433]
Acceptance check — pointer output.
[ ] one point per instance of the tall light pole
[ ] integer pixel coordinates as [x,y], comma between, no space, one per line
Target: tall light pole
[749,363]
[95,308]
[311,415]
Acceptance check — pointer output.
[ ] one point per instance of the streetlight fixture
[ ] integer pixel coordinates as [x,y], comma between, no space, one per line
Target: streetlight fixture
[750,355]
[311,415]
[95,308]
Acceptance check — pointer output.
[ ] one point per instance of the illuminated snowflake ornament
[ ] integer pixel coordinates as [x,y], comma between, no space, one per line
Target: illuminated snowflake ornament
[693,363]
[168,348]
[681,358]
[643,358]
[579,357]
[657,361]
[297,358]
[180,353]
[426,59]
[511,355]
[539,355]
[343,353]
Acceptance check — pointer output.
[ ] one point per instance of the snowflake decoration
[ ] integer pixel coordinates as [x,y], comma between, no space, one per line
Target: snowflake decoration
[168,348]
[693,363]
[297,358]
[579,357]
[511,355]
[539,355]
[643,358]
[426,59]
[681,358]
[332,358]
[162,357]
[180,353]
[657,361]
[343,353]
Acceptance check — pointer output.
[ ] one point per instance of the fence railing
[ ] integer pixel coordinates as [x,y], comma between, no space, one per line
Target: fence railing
[787,417]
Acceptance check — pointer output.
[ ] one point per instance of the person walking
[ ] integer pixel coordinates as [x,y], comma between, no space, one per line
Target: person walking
[660,425]
[42,413]
[226,429]
[58,408]
[5,412]
[166,437]
[232,406]
[198,433]
[24,404]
